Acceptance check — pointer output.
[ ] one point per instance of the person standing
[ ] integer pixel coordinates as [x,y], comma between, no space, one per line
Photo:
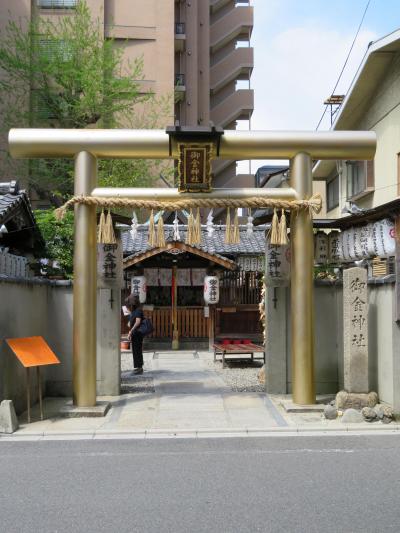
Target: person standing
[135,336]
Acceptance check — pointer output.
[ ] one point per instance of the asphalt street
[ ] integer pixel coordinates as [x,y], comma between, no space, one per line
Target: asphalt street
[273,484]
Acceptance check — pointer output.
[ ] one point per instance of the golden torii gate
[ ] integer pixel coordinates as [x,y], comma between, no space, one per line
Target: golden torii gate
[85,146]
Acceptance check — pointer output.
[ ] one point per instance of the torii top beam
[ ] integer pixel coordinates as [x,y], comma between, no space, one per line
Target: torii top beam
[154,144]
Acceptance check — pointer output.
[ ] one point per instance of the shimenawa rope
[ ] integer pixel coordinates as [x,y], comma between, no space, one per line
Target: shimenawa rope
[314,204]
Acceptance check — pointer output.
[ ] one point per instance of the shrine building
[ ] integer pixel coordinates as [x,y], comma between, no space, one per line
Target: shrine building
[179,268]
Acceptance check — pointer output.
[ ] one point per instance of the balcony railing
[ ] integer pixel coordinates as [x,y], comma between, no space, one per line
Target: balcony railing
[237,106]
[180,28]
[237,65]
[57,4]
[235,25]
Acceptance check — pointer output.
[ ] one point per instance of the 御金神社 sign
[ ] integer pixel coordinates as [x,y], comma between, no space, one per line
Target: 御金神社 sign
[195,167]
[109,265]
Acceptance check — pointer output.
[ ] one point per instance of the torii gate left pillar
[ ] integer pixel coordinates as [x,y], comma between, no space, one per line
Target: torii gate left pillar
[85,285]
[85,146]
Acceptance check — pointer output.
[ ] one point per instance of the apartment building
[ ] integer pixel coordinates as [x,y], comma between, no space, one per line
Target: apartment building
[195,51]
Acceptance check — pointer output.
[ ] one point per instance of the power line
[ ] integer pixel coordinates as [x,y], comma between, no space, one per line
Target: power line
[347,58]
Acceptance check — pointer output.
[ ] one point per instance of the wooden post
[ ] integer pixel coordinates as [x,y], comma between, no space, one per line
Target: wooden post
[28,393]
[39,380]
[174,313]
[211,327]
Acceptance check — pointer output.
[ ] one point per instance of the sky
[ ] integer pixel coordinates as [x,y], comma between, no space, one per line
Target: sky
[300,47]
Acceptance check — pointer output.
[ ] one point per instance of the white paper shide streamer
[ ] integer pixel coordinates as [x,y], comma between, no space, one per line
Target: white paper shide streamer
[210,225]
[175,225]
[250,224]
[134,226]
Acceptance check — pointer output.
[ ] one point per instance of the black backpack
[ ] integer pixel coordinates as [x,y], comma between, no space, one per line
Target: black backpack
[146,327]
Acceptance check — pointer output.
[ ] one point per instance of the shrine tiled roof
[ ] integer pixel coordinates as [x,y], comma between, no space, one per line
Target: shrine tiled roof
[16,210]
[253,244]
[9,203]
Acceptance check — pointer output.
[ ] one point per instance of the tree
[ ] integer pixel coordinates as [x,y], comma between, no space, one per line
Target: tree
[64,74]
[58,236]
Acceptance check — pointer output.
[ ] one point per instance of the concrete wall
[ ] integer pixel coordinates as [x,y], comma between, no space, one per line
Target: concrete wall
[23,313]
[328,334]
[384,341]
[384,344]
[29,309]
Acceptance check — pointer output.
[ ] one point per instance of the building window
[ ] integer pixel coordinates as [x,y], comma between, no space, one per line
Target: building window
[179,80]
[332,193]
[360,178]
[57,4]
[44,106]
[179,28]
[54,49]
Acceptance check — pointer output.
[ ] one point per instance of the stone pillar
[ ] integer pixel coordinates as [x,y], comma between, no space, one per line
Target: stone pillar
[355,330]
[109,282]
[276,340]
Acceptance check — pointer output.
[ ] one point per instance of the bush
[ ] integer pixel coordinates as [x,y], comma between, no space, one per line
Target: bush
[59,238]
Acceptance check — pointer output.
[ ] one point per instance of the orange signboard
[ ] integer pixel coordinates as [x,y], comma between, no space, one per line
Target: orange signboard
[33,351]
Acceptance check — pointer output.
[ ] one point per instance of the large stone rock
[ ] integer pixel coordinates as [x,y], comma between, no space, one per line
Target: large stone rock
[330,412]
[8,418]
[384,413]
[352,416]
[351,400]
[369,414]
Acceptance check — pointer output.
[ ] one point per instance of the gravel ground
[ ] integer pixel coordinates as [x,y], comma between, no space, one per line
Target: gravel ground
[240,376]
[131,383]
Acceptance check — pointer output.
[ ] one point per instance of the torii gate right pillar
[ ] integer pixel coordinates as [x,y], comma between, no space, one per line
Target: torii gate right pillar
[302,286]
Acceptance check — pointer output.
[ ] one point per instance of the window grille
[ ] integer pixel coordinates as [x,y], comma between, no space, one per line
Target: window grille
[57,4]
[54,48]
[360,177]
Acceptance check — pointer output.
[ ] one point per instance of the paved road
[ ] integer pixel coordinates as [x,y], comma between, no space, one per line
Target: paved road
[275,484]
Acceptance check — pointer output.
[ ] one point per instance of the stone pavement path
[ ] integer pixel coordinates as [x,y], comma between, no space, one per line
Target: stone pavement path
[177,392]
[191,396]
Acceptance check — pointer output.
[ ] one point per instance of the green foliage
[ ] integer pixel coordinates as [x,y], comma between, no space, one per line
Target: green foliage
[59,236]
[77,79]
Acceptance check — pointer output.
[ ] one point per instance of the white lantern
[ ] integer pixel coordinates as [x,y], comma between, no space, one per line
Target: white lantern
[384,238]
[321,247]
[139,288]
[357,244]
[347,245]
[211,290]
[277,271]
[372,246]
[364,233]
